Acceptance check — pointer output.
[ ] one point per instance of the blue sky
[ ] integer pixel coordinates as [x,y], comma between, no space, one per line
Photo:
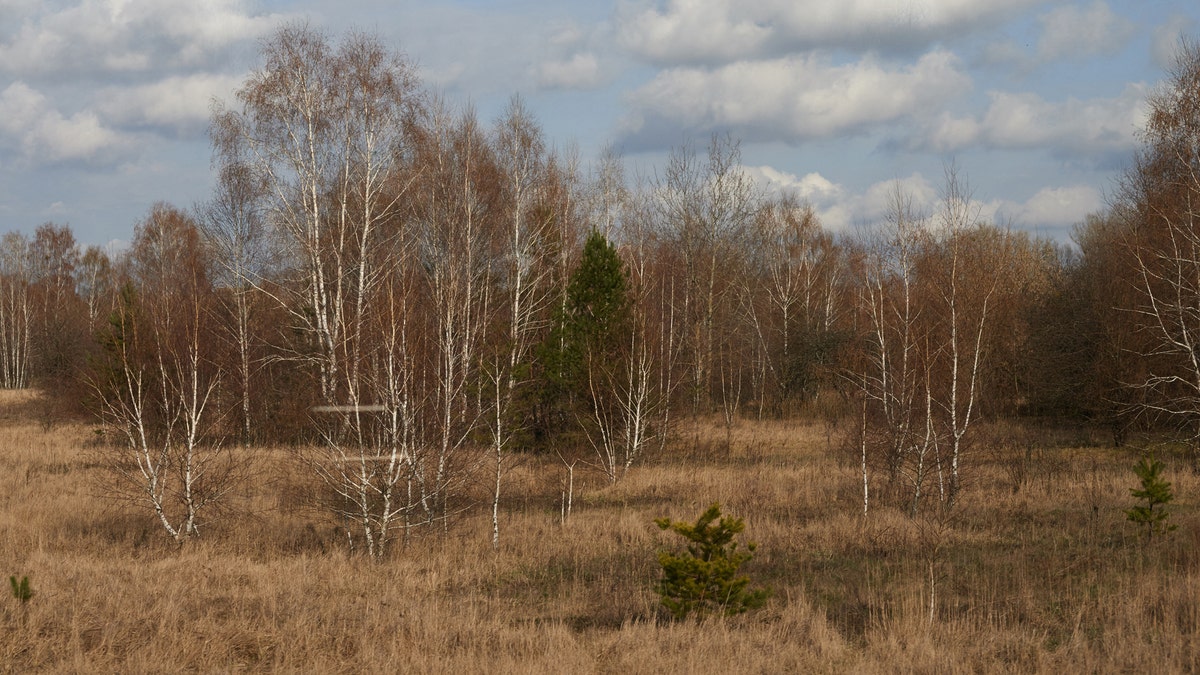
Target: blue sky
[104,103]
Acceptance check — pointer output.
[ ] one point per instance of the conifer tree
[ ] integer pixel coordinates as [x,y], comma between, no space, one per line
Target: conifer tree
[1155,492]
[596,314]
[588,335]
[706,578]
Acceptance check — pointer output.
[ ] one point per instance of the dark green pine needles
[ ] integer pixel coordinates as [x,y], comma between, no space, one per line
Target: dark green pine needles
[705,579]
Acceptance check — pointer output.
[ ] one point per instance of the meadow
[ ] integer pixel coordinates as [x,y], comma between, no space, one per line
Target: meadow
[1036,568]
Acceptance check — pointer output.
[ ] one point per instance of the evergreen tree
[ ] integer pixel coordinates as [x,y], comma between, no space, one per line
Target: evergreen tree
[1155,492]
[706,578]
[596,315]
[590,333]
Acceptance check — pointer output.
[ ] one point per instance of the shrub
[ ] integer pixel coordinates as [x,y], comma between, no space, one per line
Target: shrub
[1155,492]
[705,579]
[21,590]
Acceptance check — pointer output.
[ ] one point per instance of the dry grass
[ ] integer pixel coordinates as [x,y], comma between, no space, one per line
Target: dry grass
[1036,570]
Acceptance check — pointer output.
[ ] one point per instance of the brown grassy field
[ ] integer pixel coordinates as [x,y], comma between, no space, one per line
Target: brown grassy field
[1036,570]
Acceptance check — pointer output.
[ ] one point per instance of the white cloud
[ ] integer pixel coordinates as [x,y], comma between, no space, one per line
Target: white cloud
[870,207]
[576,57]
[129,35]
[840,208]
[180,103]
[490,51]
[1076,32]
[1165,41]
[714,31]
[114,248]
[1057,206]
[1074,127]
[812,186]
[689,31]
[580,71]
[794,98]
[44,135]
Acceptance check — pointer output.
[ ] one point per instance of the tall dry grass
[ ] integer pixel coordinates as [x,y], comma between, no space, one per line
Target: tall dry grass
[1035,570]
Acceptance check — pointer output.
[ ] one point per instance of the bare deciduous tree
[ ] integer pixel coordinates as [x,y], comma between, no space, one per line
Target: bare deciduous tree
[233,227]
[16,315]
[525,275]
[158,380]
[324,130]
[706,208]
[969,278]
[1160,210]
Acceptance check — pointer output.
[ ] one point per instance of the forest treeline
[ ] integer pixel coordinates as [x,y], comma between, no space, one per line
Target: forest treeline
[415,294]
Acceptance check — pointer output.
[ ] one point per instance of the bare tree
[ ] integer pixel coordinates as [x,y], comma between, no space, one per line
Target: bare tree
[324,130]
[927,288]
[970,277]
[1160,214]
[233,227]
[452,218]
[706,208]
[58,315]
[889,373]
[525,275]
[16,320]
[95,284]
[794,303]
[646,387]
[609,195]
[157,384]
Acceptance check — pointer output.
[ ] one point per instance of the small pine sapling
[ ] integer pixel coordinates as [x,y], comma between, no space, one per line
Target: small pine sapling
[706,578]
[21,590]
[1155,492]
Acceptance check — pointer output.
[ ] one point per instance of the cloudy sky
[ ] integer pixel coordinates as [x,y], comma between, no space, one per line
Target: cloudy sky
[104,103]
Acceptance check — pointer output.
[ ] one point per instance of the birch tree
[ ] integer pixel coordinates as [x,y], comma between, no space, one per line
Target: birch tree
[453,201]
[525,276]
[706,207]
[156,384]
[1160,214]
[967,278]
[95,284]
[325,129]
[58,330]
[796,301]
[889,373]
[233,228]
[16,312]
[926,298]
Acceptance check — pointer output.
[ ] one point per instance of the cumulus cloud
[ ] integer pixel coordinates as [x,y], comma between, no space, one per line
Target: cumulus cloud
[575,57]
[43,135]
[1069,33]
[841,209]
[793,99]
[1022,120]
[178,104]
[1057,206]
[580,71]
[128,36]
[812,186]
[1078,32]
[718,31]
[1165,41]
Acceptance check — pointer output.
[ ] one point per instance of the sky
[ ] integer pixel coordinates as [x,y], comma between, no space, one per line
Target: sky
[104,104]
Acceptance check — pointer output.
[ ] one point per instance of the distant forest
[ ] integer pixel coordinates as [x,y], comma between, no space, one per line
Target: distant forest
[416,295]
